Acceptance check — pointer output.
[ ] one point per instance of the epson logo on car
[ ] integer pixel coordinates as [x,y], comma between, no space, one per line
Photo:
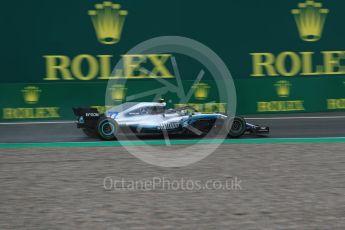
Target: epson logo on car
[91,114]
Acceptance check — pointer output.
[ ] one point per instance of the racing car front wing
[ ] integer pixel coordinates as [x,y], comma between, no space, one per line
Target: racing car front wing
[257,130]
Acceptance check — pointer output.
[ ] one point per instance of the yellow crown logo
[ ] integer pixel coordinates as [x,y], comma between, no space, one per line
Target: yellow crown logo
[283,88]
[201,91]
[118,92]
[31,94]
[310,19]
[108,21]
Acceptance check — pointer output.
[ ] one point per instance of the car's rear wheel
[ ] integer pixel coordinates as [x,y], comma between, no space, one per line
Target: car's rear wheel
[107,128]
[238,127]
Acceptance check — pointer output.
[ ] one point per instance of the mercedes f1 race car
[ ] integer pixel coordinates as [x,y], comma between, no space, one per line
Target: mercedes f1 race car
[153,118]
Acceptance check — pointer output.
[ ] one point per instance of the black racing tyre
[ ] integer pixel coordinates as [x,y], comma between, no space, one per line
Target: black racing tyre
[90,132]
[238,127]
[107,128]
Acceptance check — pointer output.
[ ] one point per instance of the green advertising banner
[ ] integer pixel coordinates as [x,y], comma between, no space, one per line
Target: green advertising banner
[284,56]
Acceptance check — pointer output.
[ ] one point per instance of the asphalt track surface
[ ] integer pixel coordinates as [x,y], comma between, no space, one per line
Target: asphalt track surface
[288,126]
[277,186]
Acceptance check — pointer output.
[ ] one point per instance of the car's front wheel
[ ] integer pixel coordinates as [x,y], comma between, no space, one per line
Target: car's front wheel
[107,128]
[238,127]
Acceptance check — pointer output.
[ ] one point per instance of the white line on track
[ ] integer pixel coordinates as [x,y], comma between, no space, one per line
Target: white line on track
[248,118]
[37,122]
[293,118]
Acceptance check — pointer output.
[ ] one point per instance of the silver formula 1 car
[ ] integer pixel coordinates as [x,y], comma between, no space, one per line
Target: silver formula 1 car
[151,118]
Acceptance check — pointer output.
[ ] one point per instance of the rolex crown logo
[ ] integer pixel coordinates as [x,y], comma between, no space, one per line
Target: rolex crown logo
[283,88]
[108,21]
[310,18]
[118,92]
[201,91]
[31,94]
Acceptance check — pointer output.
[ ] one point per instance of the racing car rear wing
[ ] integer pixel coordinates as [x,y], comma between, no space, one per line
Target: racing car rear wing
[86,117]
[87,112]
